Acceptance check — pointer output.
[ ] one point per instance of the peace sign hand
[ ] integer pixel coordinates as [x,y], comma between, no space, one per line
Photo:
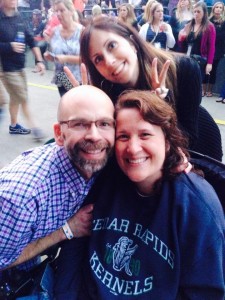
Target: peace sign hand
[72,79]
[159,81]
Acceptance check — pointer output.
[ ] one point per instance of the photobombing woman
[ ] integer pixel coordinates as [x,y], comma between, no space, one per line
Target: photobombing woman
[122,59]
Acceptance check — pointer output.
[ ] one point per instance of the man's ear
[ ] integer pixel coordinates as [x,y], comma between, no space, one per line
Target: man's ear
[58,134]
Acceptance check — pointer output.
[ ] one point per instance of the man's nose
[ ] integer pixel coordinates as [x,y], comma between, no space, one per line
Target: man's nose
[92,133]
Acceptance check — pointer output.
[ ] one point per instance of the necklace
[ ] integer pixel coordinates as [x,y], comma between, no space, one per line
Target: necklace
[142,195]
[155,28]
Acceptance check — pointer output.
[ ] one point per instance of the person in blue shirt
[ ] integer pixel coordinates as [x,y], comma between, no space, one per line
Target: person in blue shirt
[222,95]
[155,234]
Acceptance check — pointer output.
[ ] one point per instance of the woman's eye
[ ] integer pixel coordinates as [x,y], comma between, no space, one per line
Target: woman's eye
[122,137]
[146,134]
[97,60]
[112,45]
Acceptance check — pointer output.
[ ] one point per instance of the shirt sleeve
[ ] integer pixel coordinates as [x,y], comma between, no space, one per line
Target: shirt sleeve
[201,239]
[143,31]
[17,221]
[170,41]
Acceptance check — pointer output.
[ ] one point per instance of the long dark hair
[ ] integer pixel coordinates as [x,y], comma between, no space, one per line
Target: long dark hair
[205,20]
[156,111]
[145,53]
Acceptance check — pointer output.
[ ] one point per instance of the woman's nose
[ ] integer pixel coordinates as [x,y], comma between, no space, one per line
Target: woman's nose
[133,146]
[110,59]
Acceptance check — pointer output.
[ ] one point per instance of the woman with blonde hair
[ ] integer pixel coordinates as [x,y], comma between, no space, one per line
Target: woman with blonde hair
[156,31]
[126,14]
[217,17]
[180,17]
[65,43]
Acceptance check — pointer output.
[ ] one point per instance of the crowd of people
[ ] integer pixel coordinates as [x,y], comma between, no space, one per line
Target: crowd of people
[115,189]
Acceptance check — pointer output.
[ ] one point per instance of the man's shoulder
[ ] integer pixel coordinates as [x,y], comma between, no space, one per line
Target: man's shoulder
[35,172]
[35,162]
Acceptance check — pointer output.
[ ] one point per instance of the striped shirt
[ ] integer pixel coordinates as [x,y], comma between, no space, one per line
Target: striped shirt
[39,191]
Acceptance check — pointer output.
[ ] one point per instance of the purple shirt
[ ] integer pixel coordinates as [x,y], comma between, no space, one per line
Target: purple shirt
[39,191]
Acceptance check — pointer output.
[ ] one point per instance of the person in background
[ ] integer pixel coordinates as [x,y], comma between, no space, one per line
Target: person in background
[38,26]
[126,14]
[198,37]
[42,190]
[96,11]
[65,42]
[158,233]
[155,30]
[13,39]
[80,5]
[180,17]
[36,4]
[117,4]
[222,95]
[122,59]
[110,3]
[46,6]
[52,22]
[171,5]
[23,7]
[3,96]
[142,18]
[217,17]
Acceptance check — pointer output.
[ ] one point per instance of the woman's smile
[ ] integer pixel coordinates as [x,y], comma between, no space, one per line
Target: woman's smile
[114,58]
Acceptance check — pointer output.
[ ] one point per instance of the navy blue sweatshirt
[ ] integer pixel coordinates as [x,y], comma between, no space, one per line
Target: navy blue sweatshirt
[169,246]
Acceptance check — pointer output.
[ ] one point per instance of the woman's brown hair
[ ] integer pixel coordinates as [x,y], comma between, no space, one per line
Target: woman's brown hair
[156,111]
[205,20]
[145,54]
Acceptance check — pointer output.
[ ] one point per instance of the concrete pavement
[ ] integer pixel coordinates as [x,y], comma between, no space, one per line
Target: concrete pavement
[43,101]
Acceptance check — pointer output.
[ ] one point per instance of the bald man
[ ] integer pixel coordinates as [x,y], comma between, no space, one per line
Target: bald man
[43,189]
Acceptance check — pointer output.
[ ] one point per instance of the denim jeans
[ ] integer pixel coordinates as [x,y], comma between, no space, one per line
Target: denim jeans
[43,289]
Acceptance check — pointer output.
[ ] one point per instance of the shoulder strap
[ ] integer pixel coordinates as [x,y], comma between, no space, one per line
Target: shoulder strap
[152,41]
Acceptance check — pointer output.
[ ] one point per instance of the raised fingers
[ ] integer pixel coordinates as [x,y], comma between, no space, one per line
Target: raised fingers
[163,73]
[70,76]
[84,75]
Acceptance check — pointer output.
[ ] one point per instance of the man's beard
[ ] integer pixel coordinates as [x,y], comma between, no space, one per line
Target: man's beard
[90,166]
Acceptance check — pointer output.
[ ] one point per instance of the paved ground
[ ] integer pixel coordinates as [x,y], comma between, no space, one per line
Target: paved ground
[43,98]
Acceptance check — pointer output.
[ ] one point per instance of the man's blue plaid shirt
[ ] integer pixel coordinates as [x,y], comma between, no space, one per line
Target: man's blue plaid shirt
[39,191]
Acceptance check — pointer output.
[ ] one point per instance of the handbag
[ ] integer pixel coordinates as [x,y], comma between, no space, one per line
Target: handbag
[202,61]
[63,80]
